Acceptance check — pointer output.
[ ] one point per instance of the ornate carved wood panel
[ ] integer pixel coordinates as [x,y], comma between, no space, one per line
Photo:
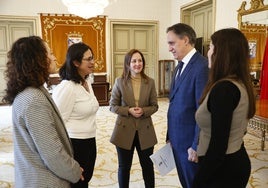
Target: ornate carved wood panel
[59,31]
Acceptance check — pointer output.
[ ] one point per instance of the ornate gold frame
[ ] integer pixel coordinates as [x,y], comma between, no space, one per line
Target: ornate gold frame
[255,6]
[255,33]
[57,29]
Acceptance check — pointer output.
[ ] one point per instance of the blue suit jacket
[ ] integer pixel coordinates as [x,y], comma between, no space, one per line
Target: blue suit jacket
[184,96]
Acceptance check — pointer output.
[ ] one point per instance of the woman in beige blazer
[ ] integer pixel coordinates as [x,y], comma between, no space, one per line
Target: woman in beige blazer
[134,100]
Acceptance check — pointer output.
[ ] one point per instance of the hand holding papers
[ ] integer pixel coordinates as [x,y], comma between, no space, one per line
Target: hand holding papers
[163,159]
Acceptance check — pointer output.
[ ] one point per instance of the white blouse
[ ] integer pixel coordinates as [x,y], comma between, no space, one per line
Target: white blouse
[78,108]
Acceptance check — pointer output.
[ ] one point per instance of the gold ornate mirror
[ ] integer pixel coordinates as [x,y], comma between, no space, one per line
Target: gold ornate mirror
[253,22]
[256,14]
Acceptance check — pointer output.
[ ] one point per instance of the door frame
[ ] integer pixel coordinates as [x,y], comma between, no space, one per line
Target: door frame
[187,12]
[34,19]
[112,24]
[186,9]
[20,21]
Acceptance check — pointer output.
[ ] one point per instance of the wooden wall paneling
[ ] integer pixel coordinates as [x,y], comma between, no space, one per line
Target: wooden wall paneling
[102,92]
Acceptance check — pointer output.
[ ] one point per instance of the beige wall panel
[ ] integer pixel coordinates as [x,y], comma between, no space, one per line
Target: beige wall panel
[118,72]
[141,40]
[209,25]
[3,83]
[118,64]
[199,23]
[119,59]
[122,42]
[3,41]
[10,31]
[3,60]
[18,30]
[126,36]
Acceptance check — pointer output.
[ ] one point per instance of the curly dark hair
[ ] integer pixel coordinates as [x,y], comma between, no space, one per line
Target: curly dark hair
[27,65]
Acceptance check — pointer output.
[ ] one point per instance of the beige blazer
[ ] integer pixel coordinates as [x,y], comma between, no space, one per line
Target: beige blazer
[122,98]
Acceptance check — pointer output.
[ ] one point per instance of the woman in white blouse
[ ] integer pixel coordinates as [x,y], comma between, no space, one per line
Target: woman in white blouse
[78,106]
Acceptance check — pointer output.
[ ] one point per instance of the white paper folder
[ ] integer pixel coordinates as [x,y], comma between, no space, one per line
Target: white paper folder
[163,159]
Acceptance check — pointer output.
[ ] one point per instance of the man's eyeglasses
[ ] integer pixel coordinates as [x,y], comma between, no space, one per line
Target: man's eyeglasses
[91,58]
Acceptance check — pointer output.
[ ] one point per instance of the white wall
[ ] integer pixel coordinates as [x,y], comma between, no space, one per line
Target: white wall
[158,10]
[166,12]
[226,17]
[31,7]
[225,13]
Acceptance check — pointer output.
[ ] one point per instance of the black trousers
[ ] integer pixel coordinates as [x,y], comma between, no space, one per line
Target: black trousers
[234,172]
[85,152]
[125,161]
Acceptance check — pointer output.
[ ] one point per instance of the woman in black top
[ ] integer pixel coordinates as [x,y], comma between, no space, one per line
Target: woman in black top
[227,104]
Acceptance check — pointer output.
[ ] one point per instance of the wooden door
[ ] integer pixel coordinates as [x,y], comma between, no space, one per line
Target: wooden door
[201,21]
[10,30]
[201,16]
[126,36]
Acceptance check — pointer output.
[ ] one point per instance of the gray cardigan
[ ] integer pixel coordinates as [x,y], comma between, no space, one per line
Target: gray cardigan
[43,151]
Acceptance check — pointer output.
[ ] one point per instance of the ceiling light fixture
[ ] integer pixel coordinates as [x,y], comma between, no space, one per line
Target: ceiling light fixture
[86,8]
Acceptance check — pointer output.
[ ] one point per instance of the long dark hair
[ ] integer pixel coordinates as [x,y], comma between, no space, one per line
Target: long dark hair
[27,65]
[74,53]
[230,59]
[126,72]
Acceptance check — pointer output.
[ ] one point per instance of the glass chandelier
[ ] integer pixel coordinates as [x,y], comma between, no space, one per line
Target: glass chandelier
[86,8]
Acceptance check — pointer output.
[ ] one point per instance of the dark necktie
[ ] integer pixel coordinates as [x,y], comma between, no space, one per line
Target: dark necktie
[180,65]
[177,74]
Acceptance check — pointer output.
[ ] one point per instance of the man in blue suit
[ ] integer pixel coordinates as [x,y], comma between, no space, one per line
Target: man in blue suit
[186,89]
